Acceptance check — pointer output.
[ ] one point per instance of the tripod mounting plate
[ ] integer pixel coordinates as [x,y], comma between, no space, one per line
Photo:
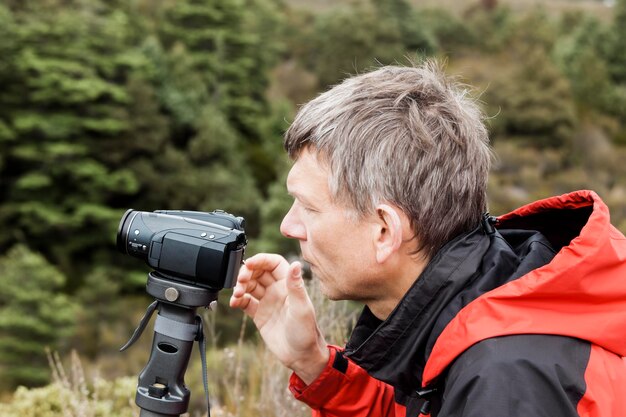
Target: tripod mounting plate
[170,291]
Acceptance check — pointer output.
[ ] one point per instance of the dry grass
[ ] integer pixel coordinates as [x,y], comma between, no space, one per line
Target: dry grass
[97,397]
[73,394]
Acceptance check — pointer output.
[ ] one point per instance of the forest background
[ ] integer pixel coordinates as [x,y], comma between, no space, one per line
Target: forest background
[181,104]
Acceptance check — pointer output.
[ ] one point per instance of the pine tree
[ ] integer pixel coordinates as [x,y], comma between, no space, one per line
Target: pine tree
[616,45]
[533,102]
[33,315]
[578,52]
[615,53]
[65,97]
[227,51]
[203,163]
[8,51]
[352,39]
[414,34]
[229,46]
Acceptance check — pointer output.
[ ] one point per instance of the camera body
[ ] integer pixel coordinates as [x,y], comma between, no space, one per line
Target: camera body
[198,248]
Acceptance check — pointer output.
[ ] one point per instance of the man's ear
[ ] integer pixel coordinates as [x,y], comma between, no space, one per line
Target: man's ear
[389,230]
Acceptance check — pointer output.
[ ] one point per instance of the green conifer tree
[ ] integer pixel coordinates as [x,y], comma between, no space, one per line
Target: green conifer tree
[579,55]
[204,162]
[533,102]
[351,39]
[414,33]
[33,315]
[225,44]
[616,44]
[615,53]
[229,47]
[66,96]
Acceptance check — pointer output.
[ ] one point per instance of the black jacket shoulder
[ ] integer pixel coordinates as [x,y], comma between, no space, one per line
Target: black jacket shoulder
[518,375]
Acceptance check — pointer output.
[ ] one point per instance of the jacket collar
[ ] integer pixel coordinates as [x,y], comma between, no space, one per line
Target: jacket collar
[395,350]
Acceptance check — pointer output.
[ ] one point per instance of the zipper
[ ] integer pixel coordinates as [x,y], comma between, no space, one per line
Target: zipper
[426,394]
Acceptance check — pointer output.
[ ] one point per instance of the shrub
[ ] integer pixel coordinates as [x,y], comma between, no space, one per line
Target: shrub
[71,395]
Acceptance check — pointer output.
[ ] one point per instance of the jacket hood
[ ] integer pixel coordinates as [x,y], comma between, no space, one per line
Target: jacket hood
[580,293]
[508,280]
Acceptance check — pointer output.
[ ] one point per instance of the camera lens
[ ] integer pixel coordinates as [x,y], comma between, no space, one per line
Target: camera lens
[122,231]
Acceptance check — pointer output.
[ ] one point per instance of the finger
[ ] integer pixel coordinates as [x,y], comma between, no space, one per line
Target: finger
[239,290]
[236,300]
[251,305]
[248,282]
[295,283]
[255,289]
[248,273]
[246,302]
[275,265]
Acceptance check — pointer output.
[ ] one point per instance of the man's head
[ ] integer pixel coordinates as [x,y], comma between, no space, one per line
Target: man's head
[404,136]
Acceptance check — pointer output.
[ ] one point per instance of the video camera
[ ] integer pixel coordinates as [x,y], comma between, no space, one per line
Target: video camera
[202,249]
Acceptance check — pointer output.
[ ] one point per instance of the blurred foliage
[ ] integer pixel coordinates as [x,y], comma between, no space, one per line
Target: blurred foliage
[72,395]
[352,39]
[537,109]
[33,314]
[181,104]
[244,378]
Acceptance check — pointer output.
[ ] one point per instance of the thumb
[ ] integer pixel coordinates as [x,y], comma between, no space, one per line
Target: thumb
[295,283]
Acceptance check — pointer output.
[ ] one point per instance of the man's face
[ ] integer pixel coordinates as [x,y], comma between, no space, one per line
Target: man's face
[338,247]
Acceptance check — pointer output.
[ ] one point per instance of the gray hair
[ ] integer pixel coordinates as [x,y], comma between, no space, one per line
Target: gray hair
[408,136]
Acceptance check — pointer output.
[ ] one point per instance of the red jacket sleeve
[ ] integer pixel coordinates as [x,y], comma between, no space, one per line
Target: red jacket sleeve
[344,389]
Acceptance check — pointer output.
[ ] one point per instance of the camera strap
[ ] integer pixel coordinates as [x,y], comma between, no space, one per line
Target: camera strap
[179,331]
[202,342]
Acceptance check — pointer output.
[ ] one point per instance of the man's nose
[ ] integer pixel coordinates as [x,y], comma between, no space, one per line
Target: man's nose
[291,225]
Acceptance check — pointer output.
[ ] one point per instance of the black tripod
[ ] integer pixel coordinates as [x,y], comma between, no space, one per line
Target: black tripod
[161,391]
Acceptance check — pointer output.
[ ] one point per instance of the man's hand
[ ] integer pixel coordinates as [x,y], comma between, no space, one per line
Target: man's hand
[272,293]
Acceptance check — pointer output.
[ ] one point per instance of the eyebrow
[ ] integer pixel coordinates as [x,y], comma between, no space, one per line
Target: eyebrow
[302,198]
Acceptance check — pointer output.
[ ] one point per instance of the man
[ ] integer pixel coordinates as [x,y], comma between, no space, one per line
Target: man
[465,315]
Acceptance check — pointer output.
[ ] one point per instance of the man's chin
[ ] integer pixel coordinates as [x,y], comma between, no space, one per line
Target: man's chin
[329,293]
[335,297]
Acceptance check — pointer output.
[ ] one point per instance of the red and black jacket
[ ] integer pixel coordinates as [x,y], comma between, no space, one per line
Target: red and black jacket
[527,318]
